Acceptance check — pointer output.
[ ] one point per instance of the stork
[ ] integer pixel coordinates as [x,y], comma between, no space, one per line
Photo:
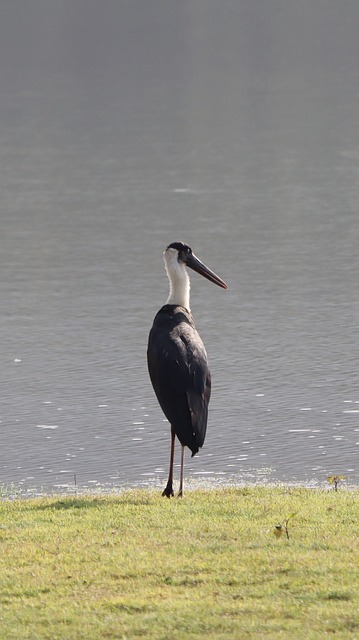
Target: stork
[177,358]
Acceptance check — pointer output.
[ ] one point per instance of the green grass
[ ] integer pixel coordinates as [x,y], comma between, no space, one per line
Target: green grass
[208,566]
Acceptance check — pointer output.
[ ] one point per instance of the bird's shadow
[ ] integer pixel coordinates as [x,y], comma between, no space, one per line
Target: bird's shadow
[83,502]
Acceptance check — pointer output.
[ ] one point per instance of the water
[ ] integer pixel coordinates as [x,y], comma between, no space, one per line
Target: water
[126,126]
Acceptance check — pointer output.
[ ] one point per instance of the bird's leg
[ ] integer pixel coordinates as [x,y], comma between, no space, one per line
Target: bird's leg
[168,491]
[180,493]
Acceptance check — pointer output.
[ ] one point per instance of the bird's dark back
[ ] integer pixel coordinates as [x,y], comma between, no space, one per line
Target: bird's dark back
[178,368]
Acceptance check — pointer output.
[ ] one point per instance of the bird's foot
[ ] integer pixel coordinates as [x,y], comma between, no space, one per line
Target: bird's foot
[180,494]
[168,491]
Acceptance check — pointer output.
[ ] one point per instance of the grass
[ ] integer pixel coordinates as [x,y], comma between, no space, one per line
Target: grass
[208,566]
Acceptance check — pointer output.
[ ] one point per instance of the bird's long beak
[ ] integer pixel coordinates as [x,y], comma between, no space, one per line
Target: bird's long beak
[195,264]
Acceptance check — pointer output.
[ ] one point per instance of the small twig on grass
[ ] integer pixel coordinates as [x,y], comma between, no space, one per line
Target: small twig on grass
[334,480]
[53,553]
[283,526]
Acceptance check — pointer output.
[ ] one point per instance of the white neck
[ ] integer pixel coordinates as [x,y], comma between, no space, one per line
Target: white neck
[179,279]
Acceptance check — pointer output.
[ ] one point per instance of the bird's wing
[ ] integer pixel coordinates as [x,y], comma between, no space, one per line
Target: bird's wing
[181,379]
[198,393]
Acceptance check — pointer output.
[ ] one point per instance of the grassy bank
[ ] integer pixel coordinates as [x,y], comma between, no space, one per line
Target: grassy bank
[207,566]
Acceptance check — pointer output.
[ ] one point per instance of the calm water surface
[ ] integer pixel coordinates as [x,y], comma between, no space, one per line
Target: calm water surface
[125,126]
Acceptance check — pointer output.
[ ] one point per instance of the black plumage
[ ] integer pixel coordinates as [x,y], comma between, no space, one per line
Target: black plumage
[178,368]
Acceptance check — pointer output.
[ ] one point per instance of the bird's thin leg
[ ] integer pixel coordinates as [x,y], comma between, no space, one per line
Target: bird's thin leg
[180,493]
[168,491]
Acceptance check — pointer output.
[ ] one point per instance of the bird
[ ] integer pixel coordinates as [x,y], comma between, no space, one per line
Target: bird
[177,359]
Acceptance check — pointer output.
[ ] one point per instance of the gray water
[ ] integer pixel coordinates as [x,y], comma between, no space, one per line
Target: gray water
[124,126]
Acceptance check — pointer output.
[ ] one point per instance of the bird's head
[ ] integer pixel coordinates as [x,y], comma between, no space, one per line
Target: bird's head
[179,254]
